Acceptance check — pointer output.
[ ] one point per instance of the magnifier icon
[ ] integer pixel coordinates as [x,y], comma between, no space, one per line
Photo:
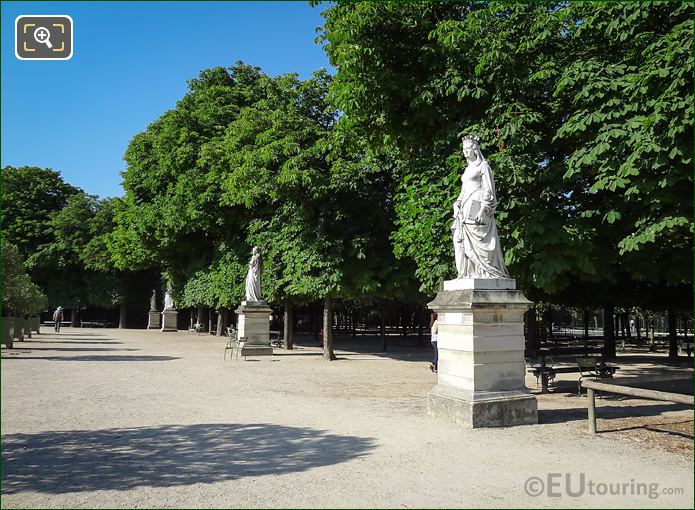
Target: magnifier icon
[43,36]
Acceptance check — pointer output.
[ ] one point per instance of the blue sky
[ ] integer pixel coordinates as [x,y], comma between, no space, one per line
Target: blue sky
[130,64]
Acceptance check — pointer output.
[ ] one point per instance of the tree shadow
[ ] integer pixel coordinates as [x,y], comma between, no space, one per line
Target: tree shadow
[95,357]
[77,342]
[81,349]
[655,427]
[61,462]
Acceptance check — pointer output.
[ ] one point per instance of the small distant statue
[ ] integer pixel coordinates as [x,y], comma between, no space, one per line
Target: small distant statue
[153,301]
[477,247]
[253,276]
[168,300]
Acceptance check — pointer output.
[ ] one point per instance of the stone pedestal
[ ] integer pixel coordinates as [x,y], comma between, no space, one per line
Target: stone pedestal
[169,318]
[254,327]
[155,321]
[481,368]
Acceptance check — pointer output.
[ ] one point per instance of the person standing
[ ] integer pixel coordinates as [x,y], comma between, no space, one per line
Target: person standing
[57,318]
[434,330]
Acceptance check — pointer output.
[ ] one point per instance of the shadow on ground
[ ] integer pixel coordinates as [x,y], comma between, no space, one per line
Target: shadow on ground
[165,456]
[93,357]
[607,412]
[77,342]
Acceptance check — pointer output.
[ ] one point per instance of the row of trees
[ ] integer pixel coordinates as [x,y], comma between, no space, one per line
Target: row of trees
[346,182]
[58,235]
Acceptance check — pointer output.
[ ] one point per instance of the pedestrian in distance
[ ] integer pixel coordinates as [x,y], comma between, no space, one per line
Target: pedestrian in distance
[57,318]
[434,330]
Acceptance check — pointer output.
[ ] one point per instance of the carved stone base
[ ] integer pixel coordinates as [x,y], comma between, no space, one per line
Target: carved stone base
[254,327]
[155,320]
[169,318]
[483,409]
[481,370]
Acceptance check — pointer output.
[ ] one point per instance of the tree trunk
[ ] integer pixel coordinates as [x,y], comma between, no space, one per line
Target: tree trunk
[315,320]
[626,325]
[288,322]
[585,317]
[672,335]
[531,332]
[353,323]
[328,329]
[651,333]
[382,328]
[220,321]
[608,332]
[122,316]
[72,317]
[420,321]
[209,319]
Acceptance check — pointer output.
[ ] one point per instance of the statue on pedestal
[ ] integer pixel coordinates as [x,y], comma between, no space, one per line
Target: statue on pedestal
[253,276]
[477,247]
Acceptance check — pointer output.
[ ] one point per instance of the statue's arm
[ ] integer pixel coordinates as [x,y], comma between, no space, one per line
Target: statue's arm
[489,199]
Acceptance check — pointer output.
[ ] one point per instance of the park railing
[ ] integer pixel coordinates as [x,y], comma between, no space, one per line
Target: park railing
[593,386]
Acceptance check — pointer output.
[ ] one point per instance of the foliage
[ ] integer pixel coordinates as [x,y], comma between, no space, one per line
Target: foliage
[30,195]
[20,296]
[570,102]
[246,159]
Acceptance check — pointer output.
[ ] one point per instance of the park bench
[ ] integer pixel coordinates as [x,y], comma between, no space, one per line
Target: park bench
[93,324]
[589,366]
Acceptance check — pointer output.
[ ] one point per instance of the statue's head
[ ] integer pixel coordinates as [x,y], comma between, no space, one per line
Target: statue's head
[471,148]
[256,250]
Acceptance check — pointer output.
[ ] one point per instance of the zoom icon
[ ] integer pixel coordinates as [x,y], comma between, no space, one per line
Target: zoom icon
[43,37]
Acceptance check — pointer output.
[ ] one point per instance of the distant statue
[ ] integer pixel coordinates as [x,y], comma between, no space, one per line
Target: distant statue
[253,277]
[168,300]
[153,301]
[477,247]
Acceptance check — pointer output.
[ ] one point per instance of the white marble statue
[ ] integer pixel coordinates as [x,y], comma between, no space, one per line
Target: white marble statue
[253,276]
[476,244]
[168,300]
[153,301]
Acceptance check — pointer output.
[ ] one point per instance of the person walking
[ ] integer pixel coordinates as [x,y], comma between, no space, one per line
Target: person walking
[434,330]
[57,318]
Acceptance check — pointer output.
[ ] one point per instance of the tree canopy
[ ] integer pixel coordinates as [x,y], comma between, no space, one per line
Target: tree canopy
[571,102]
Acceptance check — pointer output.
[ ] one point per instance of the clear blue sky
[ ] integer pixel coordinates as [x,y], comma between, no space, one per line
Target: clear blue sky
[130,64]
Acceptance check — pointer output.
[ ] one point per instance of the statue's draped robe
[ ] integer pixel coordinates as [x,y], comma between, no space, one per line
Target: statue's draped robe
[476,245]
[253,279]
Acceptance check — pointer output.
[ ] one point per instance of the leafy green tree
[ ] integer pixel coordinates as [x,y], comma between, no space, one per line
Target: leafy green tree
[30,196]
[20,296]
[268,169]
[570,100]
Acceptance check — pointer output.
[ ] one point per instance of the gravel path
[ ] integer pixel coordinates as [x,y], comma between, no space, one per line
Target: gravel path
[128,418]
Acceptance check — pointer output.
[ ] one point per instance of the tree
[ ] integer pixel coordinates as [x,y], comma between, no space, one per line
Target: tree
[569,130]
[30,197]
[20,296]
[272,172]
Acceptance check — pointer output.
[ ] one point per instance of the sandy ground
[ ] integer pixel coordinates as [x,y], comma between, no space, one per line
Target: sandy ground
[127,418]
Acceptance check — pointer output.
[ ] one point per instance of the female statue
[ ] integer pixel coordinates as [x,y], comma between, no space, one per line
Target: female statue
[168,300]
[253,276]
[476,243]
